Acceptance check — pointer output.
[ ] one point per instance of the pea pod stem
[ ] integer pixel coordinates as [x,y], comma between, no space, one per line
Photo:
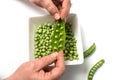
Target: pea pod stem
[90,50]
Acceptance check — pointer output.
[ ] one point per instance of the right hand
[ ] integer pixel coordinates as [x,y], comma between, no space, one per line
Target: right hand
[57,8]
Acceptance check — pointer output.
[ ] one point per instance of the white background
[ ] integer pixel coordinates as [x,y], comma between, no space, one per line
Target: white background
[100,23]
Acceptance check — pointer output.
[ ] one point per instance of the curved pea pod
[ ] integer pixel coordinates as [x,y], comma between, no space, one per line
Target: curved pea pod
[59,36]
[90,50]
[95,68]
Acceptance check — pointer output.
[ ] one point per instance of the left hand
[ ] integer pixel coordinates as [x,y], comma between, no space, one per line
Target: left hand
[40,70]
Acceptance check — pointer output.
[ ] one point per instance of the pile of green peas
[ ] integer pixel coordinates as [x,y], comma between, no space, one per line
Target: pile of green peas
[50,37]
[42,40]
[70,52]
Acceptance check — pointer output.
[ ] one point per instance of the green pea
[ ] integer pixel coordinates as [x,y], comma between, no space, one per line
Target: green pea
[55,42]
[39,53]
[45,35]
[36,46]
[71,58]
[61,28]
[57,30]
[75,49]
[44,31]
[48,32]
[67,45]
[40,30]
[43,54]
[61,40]
[49,25]
[65,58]
[46,41]
[36,35]
[58,24]
[55,48]
[37,49]
[39,57]
[50,46]
[71,52]
[56,36]
[48,52]
[35,39]
[35,53]
[43,50]
[60,46]
[47,38]
[76,58]
[43,47]
[66,51]
[36,56]
[61,34]
[50,41]
[74,41]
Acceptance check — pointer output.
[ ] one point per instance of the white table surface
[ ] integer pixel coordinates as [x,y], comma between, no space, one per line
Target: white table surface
[100,23]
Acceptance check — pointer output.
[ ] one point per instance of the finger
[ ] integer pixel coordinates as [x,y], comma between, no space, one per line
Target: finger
[50,6]
[60,59]
[52,9]
[45,61]
[65,9]
[60,68]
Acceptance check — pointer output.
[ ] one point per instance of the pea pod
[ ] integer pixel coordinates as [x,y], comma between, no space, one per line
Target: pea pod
[95,68]
[90,50]
[59,36]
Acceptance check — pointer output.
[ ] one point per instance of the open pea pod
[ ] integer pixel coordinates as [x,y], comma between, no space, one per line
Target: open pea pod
[59,36]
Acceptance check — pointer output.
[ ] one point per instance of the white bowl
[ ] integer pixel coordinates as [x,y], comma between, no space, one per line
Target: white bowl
[35,21]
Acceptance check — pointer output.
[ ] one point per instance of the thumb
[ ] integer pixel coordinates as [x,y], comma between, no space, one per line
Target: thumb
[45,61]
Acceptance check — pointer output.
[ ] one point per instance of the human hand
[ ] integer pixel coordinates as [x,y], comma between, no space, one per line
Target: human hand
[57,8]
[39,69]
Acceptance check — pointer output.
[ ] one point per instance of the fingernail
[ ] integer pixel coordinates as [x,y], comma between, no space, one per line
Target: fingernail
[53,55]
[57,16]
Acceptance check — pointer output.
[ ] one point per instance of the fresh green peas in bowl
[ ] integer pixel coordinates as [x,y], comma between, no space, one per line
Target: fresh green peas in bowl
[41,32]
